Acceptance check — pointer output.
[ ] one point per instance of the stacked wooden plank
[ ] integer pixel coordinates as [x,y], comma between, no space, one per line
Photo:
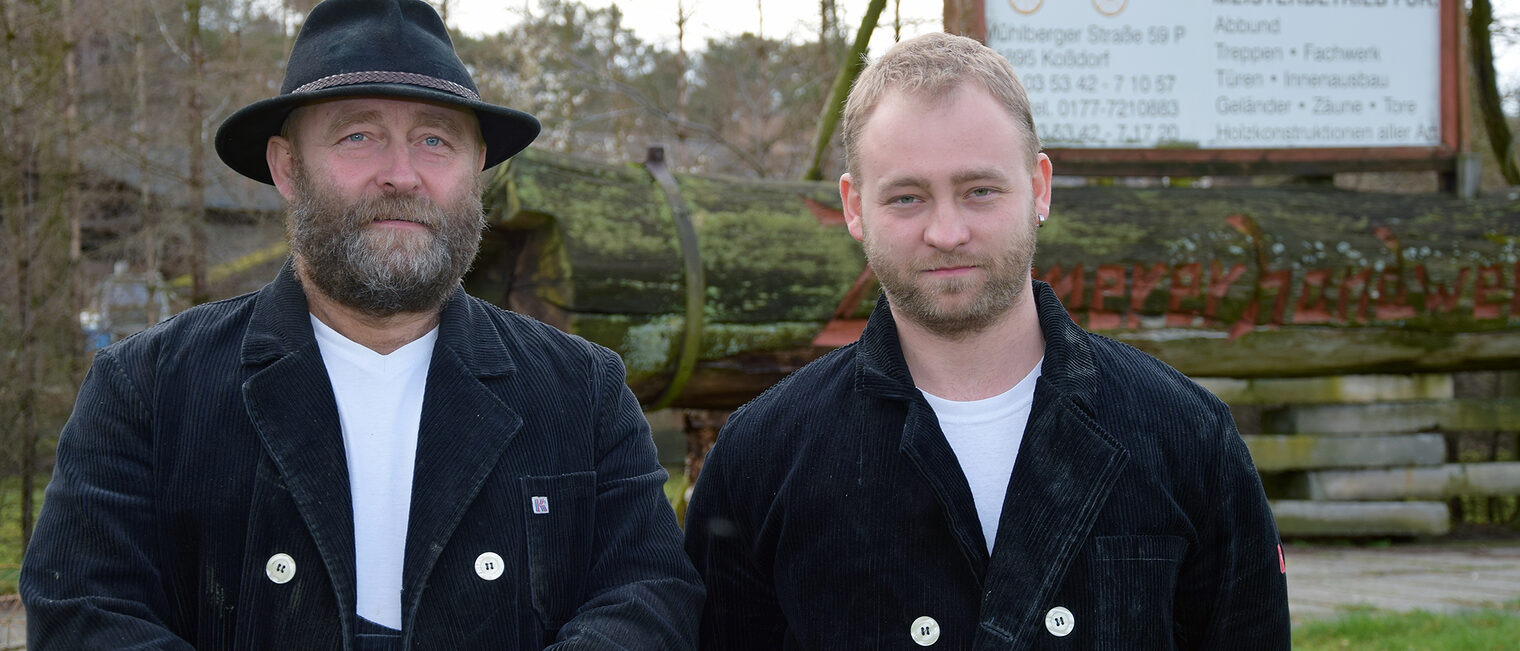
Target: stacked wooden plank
[1367,456]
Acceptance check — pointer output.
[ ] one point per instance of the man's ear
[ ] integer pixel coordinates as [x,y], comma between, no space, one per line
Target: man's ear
[849,197]
[1040,180]
[279,154]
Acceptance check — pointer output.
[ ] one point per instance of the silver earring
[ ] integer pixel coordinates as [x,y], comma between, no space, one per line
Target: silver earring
[1041,218]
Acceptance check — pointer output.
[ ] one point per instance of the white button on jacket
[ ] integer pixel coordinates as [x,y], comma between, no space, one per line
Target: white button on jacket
[489,566]
[280,568]
[925,631]
[1059,621]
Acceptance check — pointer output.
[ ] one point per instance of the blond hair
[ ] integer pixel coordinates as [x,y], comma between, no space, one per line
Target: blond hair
[934,65]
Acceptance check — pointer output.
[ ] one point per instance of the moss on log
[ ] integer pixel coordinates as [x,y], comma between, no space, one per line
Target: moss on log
[592,249]
[1227,282]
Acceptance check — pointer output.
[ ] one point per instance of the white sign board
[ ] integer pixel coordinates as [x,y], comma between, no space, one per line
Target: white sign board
[1226,74]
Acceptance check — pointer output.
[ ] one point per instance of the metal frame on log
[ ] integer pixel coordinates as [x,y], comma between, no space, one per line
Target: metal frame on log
[696,283]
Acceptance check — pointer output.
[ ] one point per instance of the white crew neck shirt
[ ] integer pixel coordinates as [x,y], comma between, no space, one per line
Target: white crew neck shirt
[985,435]
[380,408]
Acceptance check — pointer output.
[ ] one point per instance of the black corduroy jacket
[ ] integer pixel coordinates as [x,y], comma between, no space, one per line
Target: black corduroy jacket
[200,497]
[833,514]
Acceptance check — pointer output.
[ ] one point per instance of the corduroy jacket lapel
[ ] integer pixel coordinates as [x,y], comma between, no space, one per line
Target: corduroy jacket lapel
[465,427]
[290,401]
[883,373]
[1066,469]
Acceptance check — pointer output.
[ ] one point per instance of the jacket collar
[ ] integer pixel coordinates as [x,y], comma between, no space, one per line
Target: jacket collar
[1069,368]
[281,325]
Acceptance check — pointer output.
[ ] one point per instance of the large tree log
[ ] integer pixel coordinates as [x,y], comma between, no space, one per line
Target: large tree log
[1239,282]
[593,249]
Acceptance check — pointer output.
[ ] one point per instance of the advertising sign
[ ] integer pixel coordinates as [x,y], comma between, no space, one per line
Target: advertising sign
[1335,78]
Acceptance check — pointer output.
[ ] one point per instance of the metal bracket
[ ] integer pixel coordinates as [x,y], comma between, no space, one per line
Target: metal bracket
[696,283]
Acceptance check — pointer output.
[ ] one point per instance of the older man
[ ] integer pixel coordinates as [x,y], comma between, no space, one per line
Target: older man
[976,471]
[360,455]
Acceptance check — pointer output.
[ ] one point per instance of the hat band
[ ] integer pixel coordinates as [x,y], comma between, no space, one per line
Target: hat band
[388,77]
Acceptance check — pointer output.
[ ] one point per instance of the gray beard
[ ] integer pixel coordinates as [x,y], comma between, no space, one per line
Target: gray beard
[382,273]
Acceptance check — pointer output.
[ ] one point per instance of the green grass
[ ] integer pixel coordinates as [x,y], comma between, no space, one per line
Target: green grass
[675,491]
[10,529]
[1497,629]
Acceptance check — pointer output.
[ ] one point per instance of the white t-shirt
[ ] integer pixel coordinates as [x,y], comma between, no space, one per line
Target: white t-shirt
[380,407]
[985,435]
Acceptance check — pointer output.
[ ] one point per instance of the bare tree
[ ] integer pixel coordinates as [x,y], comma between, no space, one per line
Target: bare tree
[850,66]
[195,208]
[897,22]
[140,133]
[35,203]
[683,64]
[1485,84]
[828,17]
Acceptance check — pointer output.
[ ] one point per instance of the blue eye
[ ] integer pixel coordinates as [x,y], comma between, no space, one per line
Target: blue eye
[355,137]
[433,141]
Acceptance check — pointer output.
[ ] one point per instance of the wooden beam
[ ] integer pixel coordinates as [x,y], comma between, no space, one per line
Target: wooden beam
[1430,482]
[1305,518]
[1462,414]
[1337,389]
[1276,453]
[1250,162]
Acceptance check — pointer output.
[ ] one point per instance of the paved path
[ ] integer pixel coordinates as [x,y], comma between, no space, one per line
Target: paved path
[12,624]
[1324,581]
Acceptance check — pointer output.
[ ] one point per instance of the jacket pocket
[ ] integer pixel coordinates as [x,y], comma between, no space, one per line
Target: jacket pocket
[1137,584]
[560,515]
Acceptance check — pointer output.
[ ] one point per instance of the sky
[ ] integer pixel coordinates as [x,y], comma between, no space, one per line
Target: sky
[654,21]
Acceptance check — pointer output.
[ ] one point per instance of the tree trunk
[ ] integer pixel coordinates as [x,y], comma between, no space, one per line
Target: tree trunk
[1485,82]
[195,208]
[149,229]
[683,16]
[897,24]
[20,217]
[825,29]
[849,69]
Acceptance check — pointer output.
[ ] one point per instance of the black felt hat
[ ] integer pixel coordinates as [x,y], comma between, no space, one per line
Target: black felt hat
[379,48]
